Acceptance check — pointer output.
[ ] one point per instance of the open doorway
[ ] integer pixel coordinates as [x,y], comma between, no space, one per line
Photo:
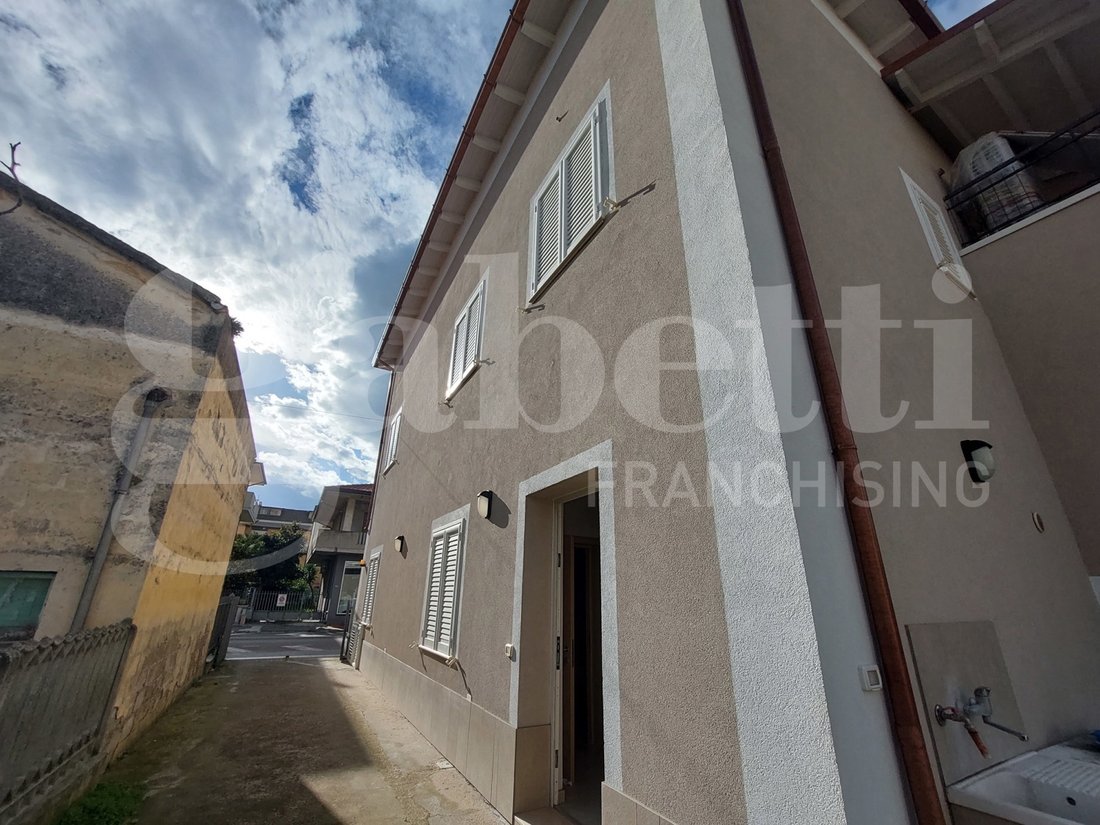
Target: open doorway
[580,713]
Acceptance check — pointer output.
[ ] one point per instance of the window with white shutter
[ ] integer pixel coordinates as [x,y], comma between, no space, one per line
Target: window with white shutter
[933,220]
[393,435]
[580,190]
[548,229]
[440,631]
[569,205]
[369,589]
[466,340]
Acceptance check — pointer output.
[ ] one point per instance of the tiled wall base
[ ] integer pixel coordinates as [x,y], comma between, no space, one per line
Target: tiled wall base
[620,809]
[510,768]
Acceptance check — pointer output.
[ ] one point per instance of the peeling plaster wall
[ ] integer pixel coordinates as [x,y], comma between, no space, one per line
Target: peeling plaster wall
[180,590]
[86,330]
[74,319]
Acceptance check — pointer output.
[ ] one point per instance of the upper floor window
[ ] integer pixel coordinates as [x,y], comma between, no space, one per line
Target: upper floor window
[440,630]
[569,204]
[466,340]
[393,433]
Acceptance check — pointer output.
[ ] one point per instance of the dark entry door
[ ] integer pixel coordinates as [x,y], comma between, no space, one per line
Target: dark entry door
[582,677]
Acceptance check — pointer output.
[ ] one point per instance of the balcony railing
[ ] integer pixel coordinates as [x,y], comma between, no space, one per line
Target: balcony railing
[1050,169]
[350,540]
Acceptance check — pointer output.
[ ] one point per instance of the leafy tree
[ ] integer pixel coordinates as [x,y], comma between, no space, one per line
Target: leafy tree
[286,574]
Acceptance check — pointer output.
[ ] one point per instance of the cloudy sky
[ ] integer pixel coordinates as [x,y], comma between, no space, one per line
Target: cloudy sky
[282,153]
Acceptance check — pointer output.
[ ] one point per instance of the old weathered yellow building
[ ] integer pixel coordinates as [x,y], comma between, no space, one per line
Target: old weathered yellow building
[125,449]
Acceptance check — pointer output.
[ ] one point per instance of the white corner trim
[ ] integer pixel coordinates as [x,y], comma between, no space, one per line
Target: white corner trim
[767,605]
[598,458]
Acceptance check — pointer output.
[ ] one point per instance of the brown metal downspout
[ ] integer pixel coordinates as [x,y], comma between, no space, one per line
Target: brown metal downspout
[900,696]
[153,399]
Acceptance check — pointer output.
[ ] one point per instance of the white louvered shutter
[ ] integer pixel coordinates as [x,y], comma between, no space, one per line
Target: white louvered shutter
[581,208]
[466,343]
[372,583]
[548,230]
[473,330]
[940,239]
[435,582]
[933,220]
[458,349]
[395,433]
[450,590]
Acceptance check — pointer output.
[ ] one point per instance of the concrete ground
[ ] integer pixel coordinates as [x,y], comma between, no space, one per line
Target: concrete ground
[293,741]
[273,642]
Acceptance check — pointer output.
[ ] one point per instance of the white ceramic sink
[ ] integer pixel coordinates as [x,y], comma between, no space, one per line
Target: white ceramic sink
[1059,785]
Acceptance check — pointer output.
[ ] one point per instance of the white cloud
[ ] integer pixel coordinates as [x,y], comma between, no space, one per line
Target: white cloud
[168,123]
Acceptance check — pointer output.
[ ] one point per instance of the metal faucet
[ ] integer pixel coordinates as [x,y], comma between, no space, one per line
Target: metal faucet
[947,713]
[983,706]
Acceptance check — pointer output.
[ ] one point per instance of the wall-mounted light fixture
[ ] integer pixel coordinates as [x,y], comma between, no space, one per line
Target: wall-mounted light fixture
[979,460]
[485,503]
[362,562]
[399,544]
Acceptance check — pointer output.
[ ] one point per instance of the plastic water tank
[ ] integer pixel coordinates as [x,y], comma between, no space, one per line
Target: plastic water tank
[1006,195]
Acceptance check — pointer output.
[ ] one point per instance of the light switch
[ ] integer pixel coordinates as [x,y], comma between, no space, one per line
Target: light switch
[870,677]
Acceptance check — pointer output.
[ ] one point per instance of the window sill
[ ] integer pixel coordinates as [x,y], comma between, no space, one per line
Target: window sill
[556,273]
[435,654]
[453,391]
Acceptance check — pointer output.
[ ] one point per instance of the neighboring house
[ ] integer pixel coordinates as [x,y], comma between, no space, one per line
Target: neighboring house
[336,543]
[270,519]
[250,509]
[677,605]
[125,450]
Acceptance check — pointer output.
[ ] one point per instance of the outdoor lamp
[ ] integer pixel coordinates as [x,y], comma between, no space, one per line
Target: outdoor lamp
[979,460]
[362,562]
[485,503]
[399,544]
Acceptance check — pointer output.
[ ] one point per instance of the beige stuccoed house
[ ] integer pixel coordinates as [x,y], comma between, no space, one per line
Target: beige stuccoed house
[741,415]
[335,544]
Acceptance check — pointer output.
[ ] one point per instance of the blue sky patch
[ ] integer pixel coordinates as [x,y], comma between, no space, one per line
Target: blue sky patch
[299,167]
